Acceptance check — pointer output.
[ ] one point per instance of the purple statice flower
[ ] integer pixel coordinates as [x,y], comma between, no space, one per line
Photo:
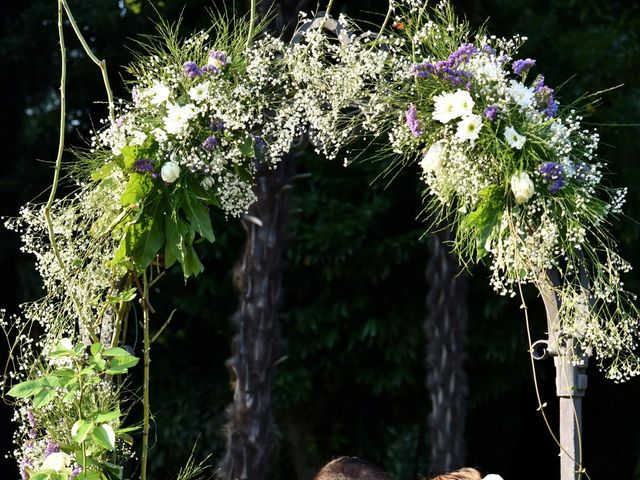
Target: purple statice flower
[75,472]
[145,165]
[522,67]
[491,113]
[553,174]
[210,143]
[448,70]
[191,69]
[24,465]
[545,97]
[217,58]
[489,50]
[32,424]
[216,125]
[52,447]
[412,121]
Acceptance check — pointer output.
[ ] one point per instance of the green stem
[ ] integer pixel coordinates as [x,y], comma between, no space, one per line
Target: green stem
[326,14]
[386,20]
[58,167]
[145,398]
[252,21]
[102,64]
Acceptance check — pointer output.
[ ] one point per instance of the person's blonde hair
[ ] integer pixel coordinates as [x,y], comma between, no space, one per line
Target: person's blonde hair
[462,474]
[352,468]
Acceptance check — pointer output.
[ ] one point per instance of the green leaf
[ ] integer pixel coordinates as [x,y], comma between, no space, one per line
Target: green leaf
[137,188]
[103,172]
[246,147]
[119,365]
[95,349]
[198,216]
[144,238]
[124,296]
[105,436]
[192,264]
[39,476]
[44,398]
[176,232]
[115,352]
[80,430]
[89,475]
[244,175]
[483,220]
[103,417]
[26,389]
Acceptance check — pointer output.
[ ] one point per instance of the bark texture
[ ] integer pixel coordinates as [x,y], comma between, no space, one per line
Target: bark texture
[445,329]
[258,278]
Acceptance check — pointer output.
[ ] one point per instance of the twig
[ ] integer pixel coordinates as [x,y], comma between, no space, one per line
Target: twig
[164,325]
[145,383]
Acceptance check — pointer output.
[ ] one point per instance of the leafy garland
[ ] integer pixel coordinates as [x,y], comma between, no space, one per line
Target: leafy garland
[505,164]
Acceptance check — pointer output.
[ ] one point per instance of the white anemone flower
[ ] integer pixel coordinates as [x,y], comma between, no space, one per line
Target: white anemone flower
[435,157]
[178,117]
[520,93]
[464,103]
[449,106]
[159,93]
[469,128]
[199,92]
[513,138]
[522,187]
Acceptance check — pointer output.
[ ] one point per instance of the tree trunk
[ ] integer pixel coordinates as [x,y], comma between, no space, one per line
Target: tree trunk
[258,278]
[445,329]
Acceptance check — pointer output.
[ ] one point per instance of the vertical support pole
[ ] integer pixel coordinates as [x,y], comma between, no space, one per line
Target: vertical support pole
[571,380]
[571,385]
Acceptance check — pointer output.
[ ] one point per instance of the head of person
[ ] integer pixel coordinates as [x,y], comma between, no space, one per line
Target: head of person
[351,468]
[466,474]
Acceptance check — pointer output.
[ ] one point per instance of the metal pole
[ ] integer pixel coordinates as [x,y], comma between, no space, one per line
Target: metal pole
[571,380]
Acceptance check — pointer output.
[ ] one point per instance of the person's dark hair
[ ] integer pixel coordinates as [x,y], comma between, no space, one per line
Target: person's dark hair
[462,474]
[351,468]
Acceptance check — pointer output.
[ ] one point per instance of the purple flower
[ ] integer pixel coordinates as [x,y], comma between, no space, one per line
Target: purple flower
[553,174]
[491,113]
[191,69]
[32,424]
[462,54]
[582,169]
[413,124]
[545,97]
[52,447]
[216,125]
[217,58]
[145,165]
[522,67]
[24,465]
[75,472]
[210,143]
[448,70]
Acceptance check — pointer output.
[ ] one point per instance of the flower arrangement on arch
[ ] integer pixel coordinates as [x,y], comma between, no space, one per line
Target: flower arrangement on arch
[513,171]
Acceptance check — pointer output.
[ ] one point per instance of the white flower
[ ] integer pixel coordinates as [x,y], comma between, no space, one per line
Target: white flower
[199,92]
[178,118]
[492,476]
[522,187]
[56,461]
[159,93]
[449,106]
[138,137]
[434,158]
[65,344]
[159,134]
[513,138]
[520,93]
[469,128]
[207,183]
[170,172]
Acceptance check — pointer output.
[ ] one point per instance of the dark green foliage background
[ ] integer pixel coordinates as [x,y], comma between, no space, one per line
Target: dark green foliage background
[351,377]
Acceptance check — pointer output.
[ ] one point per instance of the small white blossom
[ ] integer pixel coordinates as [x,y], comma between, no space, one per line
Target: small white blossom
[434,158]
[469,128]
[199,92]
[56,461]
[178,117]
[449,106]
[520,93]
[158,93]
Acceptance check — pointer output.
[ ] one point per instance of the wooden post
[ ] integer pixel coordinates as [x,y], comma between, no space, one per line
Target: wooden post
[571,380]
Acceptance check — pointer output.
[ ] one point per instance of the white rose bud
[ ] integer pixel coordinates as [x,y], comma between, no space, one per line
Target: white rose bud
[56,461]
[493,476]
[522,187]
[170,172]
[65,344]
[434,158]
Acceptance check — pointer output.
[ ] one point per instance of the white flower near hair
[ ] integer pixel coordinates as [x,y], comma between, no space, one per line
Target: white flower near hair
[449,106]
[158,93]
[520,93]
[178,117]
[56,461]
[492,476]
[469,128]
[513,138]
[170,172]
[435,157]
[522,187]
